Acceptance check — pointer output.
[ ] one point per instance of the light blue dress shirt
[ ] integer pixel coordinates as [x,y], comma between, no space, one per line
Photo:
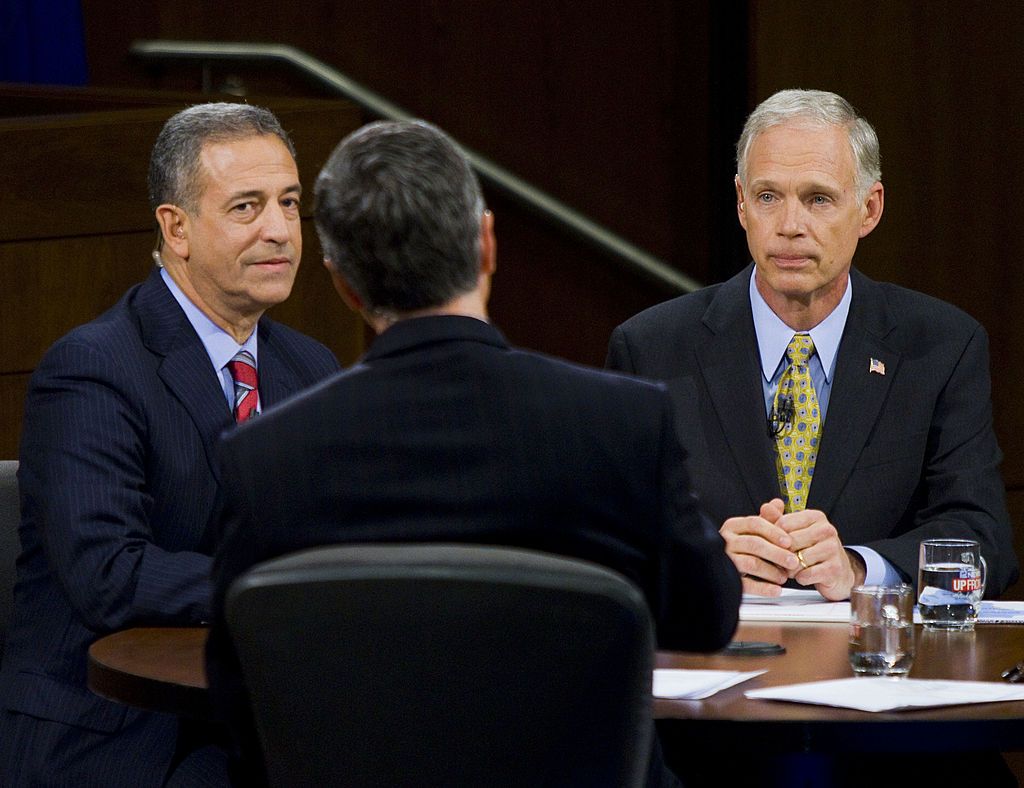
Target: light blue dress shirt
[773,337]
[220,346]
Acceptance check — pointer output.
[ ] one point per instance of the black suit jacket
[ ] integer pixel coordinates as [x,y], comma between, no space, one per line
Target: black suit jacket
[444,432]
[119,493]
[905,455]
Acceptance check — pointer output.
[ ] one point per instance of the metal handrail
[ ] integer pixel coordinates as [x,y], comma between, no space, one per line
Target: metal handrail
[377,106]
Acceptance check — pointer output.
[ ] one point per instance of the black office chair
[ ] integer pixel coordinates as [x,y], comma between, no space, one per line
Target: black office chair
[440,664]
[10,546]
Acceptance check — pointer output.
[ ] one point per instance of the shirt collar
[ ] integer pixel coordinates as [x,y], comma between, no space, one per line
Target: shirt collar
[220,345]
[773,335]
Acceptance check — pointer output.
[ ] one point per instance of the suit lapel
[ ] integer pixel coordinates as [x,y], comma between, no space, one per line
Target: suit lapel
[731,371]
[858,393]
[185,369]
[278,379]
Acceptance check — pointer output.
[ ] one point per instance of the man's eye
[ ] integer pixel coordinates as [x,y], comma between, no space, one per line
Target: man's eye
[291,203]
[766,197]
[243,207]
[820,199]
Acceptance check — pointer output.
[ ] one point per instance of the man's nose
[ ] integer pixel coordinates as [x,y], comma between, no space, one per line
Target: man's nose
[275,226]
[793,218]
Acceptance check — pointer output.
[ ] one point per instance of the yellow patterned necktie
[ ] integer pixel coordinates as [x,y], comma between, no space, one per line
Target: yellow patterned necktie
[797,442]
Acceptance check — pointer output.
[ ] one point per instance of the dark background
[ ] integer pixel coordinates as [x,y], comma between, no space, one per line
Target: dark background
[629,112]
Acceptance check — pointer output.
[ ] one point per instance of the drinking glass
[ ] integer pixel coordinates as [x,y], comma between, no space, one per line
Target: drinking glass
[950,583]
[882,630]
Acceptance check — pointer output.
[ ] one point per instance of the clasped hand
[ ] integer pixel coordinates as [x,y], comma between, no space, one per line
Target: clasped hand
[772,547]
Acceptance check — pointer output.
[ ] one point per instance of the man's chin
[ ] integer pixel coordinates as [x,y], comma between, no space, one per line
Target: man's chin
[791,282]
[272,293]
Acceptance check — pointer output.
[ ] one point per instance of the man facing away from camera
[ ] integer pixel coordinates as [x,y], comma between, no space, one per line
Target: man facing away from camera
[443,432]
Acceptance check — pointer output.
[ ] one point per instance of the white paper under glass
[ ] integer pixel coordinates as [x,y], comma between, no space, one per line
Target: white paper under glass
[882,630]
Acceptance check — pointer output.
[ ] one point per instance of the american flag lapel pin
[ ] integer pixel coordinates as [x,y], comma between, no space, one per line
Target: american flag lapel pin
[874,365]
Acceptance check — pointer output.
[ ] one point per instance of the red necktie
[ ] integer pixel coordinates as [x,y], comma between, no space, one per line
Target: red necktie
[243,371]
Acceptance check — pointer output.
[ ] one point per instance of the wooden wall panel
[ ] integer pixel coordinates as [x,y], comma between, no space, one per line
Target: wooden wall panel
[607,108]
[1015,503]
[72,176]
[49,286]
[12,397]
[600,106]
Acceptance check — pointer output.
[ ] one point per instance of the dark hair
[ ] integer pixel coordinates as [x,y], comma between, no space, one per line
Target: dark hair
[398,214]
[175,167]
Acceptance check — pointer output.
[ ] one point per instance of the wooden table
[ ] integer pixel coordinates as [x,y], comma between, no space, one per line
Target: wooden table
[163,669]
[155,668]
[817,651]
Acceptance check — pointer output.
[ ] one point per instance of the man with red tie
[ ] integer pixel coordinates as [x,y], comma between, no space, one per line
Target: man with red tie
[120,488]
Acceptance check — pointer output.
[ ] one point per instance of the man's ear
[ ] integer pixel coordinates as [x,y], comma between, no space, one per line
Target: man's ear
[173,222]
[873,205]
[348,295]
[741,204]
[488,245]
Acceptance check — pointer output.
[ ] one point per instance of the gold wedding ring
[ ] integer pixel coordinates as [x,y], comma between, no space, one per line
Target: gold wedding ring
[800,558]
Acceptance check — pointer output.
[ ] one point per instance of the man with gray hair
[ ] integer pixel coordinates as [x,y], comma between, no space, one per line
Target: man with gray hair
[832,422]
[119,486]
[443,432]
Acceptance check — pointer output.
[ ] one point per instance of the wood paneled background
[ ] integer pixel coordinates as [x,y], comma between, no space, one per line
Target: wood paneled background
[629,111]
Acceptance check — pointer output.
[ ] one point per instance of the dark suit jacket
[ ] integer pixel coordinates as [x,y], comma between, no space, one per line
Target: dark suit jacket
[444,432]
[119,488]
[904,456]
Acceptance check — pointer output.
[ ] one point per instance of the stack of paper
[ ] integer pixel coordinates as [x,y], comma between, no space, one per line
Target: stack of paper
[800,604]
[696,684]
[795,604]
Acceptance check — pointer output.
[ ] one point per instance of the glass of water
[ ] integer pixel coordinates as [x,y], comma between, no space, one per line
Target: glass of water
[950,583]
[882,630]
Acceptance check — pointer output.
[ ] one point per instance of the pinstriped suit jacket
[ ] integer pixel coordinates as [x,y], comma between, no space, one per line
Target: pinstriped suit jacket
[120,491]
[443,432]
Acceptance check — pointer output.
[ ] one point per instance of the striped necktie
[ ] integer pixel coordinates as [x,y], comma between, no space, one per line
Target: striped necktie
[243,372]
[797,442]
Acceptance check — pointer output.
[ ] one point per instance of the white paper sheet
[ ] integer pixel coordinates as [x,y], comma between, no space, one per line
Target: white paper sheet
[888,694]
[795,604]
[680,684]
[799,604]
[994,612]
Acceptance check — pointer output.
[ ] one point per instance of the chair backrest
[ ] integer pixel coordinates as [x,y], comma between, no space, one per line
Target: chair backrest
[433,665]
[10,546]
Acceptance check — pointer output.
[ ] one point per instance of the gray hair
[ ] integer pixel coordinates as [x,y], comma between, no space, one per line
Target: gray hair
[820,108]
[398,212]
[175,166]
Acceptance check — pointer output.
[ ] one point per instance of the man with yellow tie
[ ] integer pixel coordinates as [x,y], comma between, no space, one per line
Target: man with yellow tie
[832,422]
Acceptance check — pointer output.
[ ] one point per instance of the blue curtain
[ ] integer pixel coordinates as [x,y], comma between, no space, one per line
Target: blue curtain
[42,41]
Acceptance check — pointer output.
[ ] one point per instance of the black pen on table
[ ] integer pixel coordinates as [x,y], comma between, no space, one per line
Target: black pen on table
[1014,675]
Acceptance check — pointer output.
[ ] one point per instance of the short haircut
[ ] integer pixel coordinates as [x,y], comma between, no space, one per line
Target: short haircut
[398,212]
[175,165]
[820,108]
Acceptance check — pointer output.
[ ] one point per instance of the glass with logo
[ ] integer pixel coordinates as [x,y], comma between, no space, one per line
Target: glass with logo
[950,583]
